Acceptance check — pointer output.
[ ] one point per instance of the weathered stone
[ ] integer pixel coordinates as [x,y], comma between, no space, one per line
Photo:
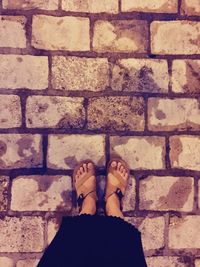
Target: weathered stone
[6,262]
[142,75]
[4,183]
[12,31]
[129,200]
[186,76]
[24,234]
[25,263]
[197,263]
[43,193]
[162,261]
[162,6]
[20,151]
[65,151]
[140,152]
[167,193]
[152,230]
[199,193]
[175,37]
[184,152]
[69,33]
[88,73]
[184,232]
[53,227]
[23,71]
[10,111]
[91,6]
[30,4]
[173,114]
[190,7]
[120,36]
[67,112]
[116,113]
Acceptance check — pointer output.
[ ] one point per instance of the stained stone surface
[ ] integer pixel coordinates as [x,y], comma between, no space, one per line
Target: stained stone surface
[90,74]
[30,4]
[43,193]
[4,183]
[129,200]
[161,261]
[140,75]
[29,263]
[190,7]
[20,151]
[140,152]
[5,261]
[55,111]
[184,152]
[65,151]
[186,76]
[167,193]
[120,36]
[116,113]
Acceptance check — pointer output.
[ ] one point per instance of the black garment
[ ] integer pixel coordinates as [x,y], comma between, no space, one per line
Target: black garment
[95,241]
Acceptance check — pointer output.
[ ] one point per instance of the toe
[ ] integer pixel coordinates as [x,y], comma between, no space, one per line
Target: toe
[119,165]
[121,169]
[90,165]
[114,164]
[126,176]
[81,170]
[85,167]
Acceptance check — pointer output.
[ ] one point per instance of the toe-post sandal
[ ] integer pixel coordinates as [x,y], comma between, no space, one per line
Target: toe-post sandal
[82,191]
[120,187]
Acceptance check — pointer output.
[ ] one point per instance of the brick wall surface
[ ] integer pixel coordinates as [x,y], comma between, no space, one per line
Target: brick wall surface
[90,79]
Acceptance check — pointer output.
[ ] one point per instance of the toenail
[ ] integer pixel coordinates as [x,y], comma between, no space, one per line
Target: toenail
[113,164]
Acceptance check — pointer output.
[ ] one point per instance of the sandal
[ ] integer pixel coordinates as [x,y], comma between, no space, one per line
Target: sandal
[82,191]
[122,183]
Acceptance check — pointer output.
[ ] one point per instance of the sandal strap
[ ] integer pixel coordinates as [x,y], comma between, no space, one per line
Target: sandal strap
[81,198]
[79,184]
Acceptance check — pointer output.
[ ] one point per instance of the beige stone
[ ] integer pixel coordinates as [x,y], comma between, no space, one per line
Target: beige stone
[116,113]
[140,152]
[24,71]
[69,33]
[175,37]
[10,111]
[25,263]
[161,6]
[199,194]
[185,76]
[25,234]
[162,261]
[4,183]
[55,111]
[20,151]
[120,36]
[184,232]
[184,152]
[53,227]
[197,263]
[6,262]
[65,151]
[30,4]
[173,114]
[43,193]
[90,74]
[129,199]
[91,6]
[190,7]
[140,75]
[167,193]
[12,31]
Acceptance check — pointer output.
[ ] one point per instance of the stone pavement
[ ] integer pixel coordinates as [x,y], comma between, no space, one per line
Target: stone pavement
[92,79]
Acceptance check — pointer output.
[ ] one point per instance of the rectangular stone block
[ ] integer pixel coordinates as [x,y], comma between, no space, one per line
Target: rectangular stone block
[161,6]
[185,76]
[30,4]
[12,31]
[190,7]
[24,71]
[162,261]
[140,152]
[10,111]
[29,263]
[120,36]
[197,263]
[20,151]
[184,152]
[25,234]
[140,75]
[129,199]
[173,114]
[199,193]
[116,113]
[167,193]
[67,112]
[7,262]
[91,6]
[175,37]
[65,151]
[52,229]
[43,193]
[4,183]
[60,33]
[184,232]
[90,74]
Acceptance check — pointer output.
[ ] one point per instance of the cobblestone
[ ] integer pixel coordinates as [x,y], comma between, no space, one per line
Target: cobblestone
[29,263]
[190,7]
[161,261]
[5,261]
[4,183]
[30,4]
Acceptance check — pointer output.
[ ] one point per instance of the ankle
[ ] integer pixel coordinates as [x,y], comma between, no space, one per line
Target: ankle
[113,206]
[89,206]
